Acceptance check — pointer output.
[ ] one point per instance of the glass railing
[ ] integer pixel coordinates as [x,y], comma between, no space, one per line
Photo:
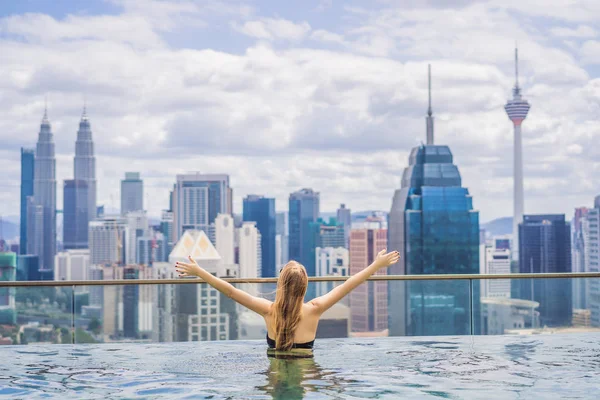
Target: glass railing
[184,310]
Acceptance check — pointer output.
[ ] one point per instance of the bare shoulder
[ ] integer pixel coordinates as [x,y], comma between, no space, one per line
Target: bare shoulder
[311,307]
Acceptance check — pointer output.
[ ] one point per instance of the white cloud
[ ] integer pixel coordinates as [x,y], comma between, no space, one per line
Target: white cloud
[274,29]
[590,52]
[582,31]
[287,114]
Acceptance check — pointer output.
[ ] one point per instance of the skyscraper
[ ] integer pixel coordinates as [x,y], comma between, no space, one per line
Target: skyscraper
[517,110]
[84,166]
[137,226]
[262,211]
[27,176]
[131,296]
[368,302]
[303,210]
[249,250]
[282,240]
[344,218]
[545,247]
[166,227]
[198,199]
[434,227]
[578,257]
[225,238]
[107,239]
[132,193]
[76,214]
[44,192]
[591,243]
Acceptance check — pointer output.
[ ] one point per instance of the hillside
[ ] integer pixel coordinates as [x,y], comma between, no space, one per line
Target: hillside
[499,226]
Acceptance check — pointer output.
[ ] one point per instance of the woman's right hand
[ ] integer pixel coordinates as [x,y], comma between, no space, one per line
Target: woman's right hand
[384,259]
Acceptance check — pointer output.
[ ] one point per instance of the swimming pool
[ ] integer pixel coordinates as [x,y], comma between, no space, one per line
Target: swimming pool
[471,367]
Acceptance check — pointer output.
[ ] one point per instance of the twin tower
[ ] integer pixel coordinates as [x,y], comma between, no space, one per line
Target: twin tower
[80,195]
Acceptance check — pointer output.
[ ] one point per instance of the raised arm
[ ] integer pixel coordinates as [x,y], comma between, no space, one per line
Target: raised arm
[256,304]
[382,260]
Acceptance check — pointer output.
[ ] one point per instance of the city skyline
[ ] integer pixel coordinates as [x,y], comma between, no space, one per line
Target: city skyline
[343,124]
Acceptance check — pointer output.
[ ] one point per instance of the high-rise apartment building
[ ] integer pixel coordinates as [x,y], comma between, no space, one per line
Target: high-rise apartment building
[137,227]
[76,215]
[331,261]
[591,239]
[262,211]
[433,225]
[545,247]
[149,249]
[27,177]
[166,227]
[132,193]
[85,167]
[303,210]
[72,265]
[497,261]
[344,218]
[517,110]
[107,238]
[249,250]
[578,259]
[198,199]
[369,301]
[282,240]
[44,192]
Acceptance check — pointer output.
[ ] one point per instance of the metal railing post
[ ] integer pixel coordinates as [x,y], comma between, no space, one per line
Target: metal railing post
[471,303]
[73,314]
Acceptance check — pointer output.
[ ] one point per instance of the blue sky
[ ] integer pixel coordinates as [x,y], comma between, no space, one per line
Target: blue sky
[323,94]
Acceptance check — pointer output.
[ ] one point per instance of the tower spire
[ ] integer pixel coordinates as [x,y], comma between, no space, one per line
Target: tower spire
[84,114]
[429,111]
[517,89]
[45,117]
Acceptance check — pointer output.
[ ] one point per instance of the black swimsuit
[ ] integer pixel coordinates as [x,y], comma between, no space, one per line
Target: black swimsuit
[307,345]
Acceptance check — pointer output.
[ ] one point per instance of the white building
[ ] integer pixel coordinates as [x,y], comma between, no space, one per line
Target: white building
[106,238]
[250,258]
[501,315]
[72,265]
[224,238]
[495,258]
[331,261]
[497,261]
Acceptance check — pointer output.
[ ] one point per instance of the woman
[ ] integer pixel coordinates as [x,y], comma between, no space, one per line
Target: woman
[291,323]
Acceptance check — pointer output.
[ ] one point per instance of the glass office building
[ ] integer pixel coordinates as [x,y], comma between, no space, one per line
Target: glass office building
[434,227]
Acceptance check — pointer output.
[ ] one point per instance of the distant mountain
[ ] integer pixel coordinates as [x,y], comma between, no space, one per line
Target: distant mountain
[10,230]
[499,226]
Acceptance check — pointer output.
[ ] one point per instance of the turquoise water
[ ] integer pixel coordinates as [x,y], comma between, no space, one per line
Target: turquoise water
[480,367]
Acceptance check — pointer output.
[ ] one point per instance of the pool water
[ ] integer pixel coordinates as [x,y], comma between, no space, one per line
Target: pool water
[479,367]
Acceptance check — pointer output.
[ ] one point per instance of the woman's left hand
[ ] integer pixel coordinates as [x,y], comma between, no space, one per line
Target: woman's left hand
[187,269]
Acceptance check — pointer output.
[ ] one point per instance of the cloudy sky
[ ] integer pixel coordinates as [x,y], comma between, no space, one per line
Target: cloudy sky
[324,94]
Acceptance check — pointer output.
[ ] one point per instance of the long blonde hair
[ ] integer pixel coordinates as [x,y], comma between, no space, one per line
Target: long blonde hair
[287,308]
